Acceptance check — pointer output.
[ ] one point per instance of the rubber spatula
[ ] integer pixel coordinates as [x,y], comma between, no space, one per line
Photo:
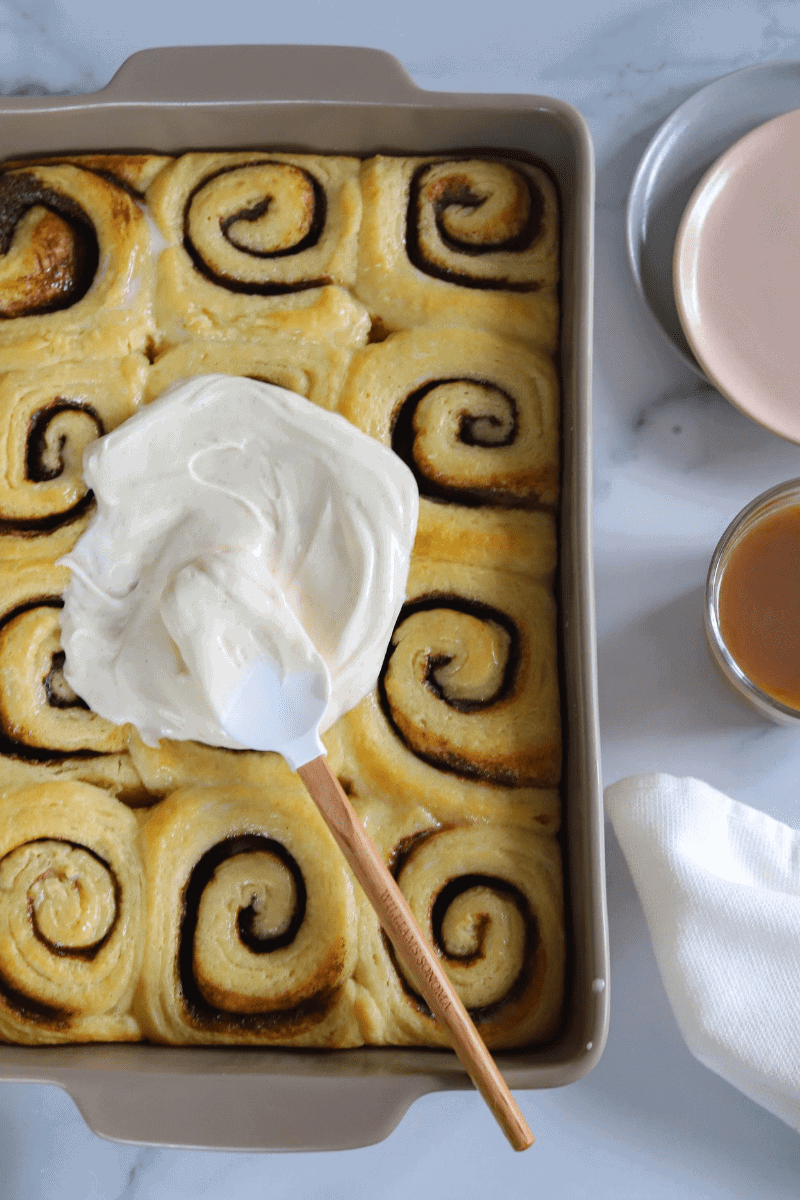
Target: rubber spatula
[270,710]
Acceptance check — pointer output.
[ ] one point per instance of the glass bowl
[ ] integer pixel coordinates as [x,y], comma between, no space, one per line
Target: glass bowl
[784,496]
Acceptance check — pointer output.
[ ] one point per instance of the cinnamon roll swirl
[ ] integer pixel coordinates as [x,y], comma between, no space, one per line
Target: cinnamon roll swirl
[475,416]
[466,713]
[71,924]
[48,417]
[251,927]
[46,731]
[460,241]
[258,241]
[489,898]
[76,267]
[312,369]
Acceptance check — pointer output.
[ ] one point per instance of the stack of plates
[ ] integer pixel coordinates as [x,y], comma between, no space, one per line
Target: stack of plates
[714,238]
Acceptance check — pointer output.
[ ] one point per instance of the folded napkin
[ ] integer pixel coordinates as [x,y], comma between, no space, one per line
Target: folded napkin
[720,887]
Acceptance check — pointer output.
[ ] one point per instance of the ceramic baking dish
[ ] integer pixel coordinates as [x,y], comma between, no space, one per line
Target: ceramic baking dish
[353,101]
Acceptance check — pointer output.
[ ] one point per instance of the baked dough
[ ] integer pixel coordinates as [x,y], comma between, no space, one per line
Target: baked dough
[76,267]
[460,241]
[71,915]
[258,242]
[251,927]
[312,369]
[475,416]
[466,712]
[489,898]
[48,416]
[46,732]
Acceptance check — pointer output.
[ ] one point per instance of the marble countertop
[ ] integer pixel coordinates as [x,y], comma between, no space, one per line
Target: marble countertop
[673,463]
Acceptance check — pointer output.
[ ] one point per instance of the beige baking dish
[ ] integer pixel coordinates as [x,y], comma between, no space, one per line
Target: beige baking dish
[354,101]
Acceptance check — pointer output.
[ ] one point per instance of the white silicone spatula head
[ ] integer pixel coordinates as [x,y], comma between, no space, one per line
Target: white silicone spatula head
[262,676]
[268,712]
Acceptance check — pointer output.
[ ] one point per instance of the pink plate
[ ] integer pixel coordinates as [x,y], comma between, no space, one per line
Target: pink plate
[736,274]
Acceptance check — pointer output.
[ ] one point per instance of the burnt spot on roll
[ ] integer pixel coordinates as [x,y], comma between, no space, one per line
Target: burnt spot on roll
[279,1021]
[310,232]
[456,191]
[56,244]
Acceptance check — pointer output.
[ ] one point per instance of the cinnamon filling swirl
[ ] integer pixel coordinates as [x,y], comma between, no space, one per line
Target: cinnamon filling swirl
[52,444]
[67,899]
[248,887]
[56,437]
[473,208]
[248,213]
[480,924]
[41,718]
[466,655]
[438,421]
[48,245]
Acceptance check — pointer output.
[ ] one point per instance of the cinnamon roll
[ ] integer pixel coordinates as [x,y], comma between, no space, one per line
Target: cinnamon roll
[251,927]
[489,899]
[71,926]
[258,241]
[48,417]
[312,369]
[76,267]
[460,240]
[465,716]
[475,416]
[46,731]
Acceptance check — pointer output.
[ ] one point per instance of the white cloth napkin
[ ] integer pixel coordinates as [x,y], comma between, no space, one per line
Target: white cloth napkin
[720,887]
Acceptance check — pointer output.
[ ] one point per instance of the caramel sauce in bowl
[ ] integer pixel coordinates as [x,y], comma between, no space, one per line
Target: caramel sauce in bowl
[752,611]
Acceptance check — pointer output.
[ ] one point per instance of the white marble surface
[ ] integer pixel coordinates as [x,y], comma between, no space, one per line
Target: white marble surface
[673,463]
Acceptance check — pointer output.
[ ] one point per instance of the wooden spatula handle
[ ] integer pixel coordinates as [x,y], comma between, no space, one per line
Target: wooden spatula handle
[412,949]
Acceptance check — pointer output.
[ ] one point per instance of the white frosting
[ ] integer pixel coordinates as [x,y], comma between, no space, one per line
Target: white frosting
[235,521]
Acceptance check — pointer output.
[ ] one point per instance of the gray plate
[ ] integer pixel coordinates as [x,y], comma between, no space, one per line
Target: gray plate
[679,155]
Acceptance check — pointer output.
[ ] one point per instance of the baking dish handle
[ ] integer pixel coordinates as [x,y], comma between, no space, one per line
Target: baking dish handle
[200,74]
[251,1112]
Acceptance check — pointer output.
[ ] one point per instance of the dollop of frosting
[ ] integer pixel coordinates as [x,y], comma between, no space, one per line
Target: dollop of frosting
[235,521]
